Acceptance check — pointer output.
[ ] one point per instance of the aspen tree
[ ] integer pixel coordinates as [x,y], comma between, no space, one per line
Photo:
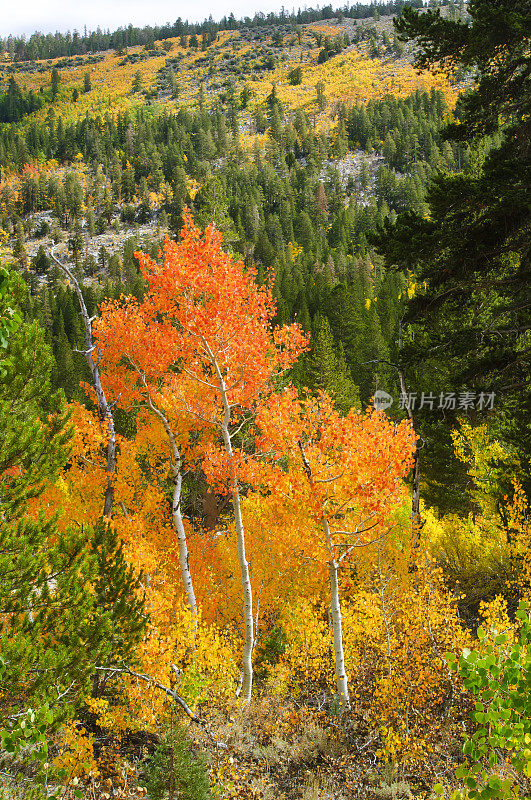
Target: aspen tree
[206,329]
[342,480]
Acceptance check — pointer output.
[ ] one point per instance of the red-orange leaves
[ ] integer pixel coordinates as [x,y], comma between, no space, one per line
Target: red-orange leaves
[347,470]
[202,335]
[212,307]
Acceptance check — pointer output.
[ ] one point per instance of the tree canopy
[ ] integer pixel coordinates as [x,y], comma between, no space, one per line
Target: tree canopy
[471,252]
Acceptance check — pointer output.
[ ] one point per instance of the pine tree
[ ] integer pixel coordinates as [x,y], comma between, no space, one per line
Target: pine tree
[68,601]
[91,222]
[65,374]
[40,262]
[321,99]
[55,80]
[137,82]
[471,250]
[328,370]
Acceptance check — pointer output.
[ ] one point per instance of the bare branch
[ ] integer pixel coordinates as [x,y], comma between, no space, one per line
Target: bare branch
[171,693]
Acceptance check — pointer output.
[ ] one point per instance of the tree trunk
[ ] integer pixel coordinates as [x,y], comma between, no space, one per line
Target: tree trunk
[178,525]
[176,514]
[247,663]
[103,406]
[337,629]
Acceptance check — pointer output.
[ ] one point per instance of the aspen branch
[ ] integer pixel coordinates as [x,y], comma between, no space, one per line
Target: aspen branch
[199,380]
[329,480]
[305,462]
[171,693]
[351,547]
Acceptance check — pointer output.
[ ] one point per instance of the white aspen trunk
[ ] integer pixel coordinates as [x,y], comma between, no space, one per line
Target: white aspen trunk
[337,630]
[247,662]
[176,515]
[178,524]
[103,406]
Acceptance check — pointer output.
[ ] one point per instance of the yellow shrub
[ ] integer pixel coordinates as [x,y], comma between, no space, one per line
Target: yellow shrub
[308,649]
[76,752]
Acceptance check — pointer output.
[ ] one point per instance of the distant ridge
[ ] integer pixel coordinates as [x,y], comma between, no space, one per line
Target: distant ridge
[56,45]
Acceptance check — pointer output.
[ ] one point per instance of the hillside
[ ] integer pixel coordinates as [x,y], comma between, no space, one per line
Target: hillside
[251,91]
[171,74]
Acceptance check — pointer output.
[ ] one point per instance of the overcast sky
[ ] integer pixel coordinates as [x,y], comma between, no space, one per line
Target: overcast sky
[27,16]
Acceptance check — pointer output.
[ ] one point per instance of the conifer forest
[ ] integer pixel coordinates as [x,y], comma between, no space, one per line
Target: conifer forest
[265,418]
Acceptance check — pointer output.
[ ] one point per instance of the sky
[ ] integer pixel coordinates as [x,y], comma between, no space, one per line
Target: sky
[49,16]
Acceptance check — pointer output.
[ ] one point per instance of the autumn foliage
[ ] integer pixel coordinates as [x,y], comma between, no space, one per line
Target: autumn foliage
[199,353]
[312,536]
[289,593]
[202,305]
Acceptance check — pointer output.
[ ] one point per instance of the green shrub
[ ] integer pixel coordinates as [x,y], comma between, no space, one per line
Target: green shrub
[269,652]
[500,677]
[175,769]
[295,76]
